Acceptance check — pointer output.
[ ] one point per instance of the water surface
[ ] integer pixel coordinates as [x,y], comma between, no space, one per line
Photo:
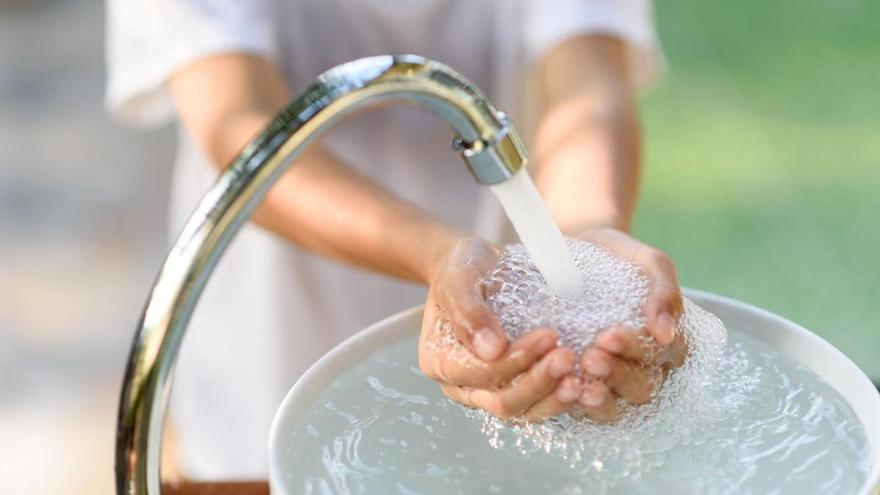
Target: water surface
[382,427]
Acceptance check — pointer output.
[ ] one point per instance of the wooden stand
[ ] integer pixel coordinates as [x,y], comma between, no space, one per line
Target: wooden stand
[223,488]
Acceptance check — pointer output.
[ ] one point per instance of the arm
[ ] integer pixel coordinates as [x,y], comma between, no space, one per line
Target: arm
[320,203]
[587,145]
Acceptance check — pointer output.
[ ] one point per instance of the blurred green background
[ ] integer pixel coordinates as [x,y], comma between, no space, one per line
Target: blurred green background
[763,160]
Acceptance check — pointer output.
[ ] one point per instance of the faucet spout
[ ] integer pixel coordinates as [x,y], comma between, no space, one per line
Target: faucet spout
[485,138]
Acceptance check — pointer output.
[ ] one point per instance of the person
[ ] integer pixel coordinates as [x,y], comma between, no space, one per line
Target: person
[566,71]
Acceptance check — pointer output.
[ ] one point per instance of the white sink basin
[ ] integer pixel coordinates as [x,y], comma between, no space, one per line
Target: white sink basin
[789,338]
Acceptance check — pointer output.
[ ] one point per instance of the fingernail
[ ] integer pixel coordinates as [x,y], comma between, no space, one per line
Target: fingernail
[545,345]
[567,394]
[613,344]
[598,367]
[486,344]
[666,328]
[592,397]
[559,366]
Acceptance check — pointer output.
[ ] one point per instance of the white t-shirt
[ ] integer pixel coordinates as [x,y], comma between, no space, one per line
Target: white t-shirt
[271,309]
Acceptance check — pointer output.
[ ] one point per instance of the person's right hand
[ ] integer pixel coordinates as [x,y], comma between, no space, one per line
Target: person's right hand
[632,364]
[463,347]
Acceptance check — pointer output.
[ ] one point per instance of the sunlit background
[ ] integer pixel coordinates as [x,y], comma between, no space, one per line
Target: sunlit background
[763,165]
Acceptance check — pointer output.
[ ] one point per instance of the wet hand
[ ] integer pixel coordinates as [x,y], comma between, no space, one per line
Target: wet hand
[463,347]
[626,363]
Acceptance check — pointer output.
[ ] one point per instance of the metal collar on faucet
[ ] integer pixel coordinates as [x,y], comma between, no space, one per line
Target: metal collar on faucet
[487,142]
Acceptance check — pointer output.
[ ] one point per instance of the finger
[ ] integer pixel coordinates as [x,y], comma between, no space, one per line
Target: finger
[596,363]
[458,366]
[633,345]
[562,399]
[633,383]
[674,355]
[461,395]
[472,320]
[527,389]
[664,303]
[661,323]
[599,403]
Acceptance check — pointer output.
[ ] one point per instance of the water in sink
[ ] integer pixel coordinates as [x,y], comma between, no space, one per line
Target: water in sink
[382,427]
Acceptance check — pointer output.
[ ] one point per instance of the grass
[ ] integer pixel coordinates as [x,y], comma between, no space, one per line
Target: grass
[763,160]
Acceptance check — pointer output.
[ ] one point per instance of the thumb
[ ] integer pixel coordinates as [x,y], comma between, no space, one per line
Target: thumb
[472,320]
[664,304]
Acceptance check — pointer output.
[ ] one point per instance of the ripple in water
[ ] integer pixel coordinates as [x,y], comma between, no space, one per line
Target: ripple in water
[382,427]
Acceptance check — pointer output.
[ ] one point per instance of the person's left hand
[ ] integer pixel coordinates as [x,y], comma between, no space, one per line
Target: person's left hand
[626,363]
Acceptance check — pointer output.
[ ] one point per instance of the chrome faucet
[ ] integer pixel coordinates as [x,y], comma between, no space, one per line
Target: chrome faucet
[486,140]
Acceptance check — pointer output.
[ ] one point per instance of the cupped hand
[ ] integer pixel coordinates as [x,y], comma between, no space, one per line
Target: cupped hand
[463,347]
[626,363]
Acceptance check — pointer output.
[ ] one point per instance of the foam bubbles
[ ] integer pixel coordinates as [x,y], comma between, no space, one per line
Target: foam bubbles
[613,291]
[694,396]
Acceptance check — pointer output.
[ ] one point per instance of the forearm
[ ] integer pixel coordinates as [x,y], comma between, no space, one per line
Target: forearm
[320,203]
[330,209]
[587,143]
[588,167]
